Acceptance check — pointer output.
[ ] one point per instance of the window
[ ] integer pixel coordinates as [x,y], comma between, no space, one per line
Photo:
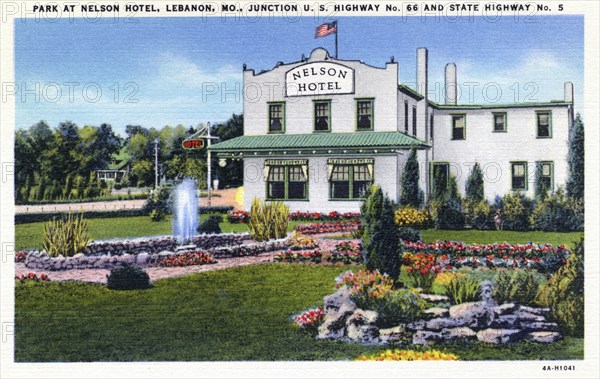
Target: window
[276,117]
[458,127]
[287,180]
[414,122]
[440,173]
[499,122]
[546,174]
[519,175]
[322,116]
[431,126]
[364,114]
[350,178]
[544,124]
[406,117]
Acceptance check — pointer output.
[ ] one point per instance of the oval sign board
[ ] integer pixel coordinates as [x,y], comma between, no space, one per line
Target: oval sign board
[193,144]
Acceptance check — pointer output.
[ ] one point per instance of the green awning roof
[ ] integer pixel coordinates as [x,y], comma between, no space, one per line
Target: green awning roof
[318,142]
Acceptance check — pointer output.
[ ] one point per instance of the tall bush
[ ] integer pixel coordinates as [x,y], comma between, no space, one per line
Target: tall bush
[268,220]
[66,236]
[158,203]
[516,208]
[558,213]
[411,193]
[520,287]
[380,234]
[576,157]
[474,188]
[564,294]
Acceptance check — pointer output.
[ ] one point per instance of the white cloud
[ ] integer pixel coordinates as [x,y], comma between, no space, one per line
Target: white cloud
[179,70]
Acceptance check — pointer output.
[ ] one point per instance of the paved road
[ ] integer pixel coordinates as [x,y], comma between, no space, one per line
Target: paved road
[227,197]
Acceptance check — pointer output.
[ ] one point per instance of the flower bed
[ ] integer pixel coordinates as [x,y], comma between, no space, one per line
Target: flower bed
[21,256]
[411,217]
[187,259]
[302,242]
[310,319]
[31,277]
[299,256]
[457,254]
[409,355]
[249,249]
[238,217]
[346,252]
[242,217]
[328,227]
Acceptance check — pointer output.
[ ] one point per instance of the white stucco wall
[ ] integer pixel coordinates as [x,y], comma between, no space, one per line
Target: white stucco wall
[494,151]
[370,82]
[386,176]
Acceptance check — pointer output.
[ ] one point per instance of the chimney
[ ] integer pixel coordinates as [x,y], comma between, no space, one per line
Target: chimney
[450,85]
[569,92]
[422,72]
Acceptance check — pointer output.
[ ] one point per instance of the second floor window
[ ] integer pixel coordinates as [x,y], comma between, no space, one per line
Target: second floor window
[276,117]
[322,116]
[544,125]
[458,127]
[364,114]
[499,122]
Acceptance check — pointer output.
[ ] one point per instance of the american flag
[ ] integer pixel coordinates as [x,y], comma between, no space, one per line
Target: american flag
[326,29]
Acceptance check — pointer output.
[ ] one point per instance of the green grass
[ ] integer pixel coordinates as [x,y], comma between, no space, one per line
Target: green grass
[491,236]
[235,314]
[30,236]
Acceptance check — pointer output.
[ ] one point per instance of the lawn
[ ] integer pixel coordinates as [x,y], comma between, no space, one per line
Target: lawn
[235,314]
[31,235]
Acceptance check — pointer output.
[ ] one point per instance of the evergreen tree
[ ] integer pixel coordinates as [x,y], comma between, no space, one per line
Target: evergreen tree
[474,188]
[410,182]
[541,188]
[380,234]
[576,180]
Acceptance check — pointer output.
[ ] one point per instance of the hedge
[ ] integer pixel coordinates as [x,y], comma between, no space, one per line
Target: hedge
[26,218]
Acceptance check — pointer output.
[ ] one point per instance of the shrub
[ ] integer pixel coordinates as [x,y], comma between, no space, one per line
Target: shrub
[521,287]
[480,214]
[450,216]
[158,204]
[268,220]
[576,160]
[66,236]
[399,306]
[462,289]
[128,278]
[411,217]
[410,234]
[409,355]
[474,187]
[411,193]
[380,234]
[212,225]
[515,211]
[564,294]
[557,213]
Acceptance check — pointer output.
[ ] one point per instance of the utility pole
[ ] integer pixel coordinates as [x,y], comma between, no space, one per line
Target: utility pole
[155,163]
[208,175]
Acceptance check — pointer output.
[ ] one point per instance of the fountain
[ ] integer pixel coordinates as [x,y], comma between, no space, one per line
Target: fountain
[185,221]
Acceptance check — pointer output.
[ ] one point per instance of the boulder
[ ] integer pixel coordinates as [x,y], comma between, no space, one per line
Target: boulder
[505,322]
[505,308]
[543,337]
[526,316]
[499,336]
[459,334]
[334,323]
[437,312]
[416,325]
[360,327]
[539,326]
[536,311]
[333,302]
[442,323]
[425,337]
[434,298]
[142,258]
[478,314]
[392,335]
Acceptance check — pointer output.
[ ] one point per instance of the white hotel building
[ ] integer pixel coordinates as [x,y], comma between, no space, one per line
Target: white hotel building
[317,132]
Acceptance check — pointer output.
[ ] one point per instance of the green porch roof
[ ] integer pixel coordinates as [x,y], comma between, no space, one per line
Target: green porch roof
[322,142]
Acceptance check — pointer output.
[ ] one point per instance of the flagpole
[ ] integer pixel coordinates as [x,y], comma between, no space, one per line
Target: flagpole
[337,30]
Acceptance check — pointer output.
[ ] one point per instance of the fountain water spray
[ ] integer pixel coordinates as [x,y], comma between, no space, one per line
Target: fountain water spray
[186,211]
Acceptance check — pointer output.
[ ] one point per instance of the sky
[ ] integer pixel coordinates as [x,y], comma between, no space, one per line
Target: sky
[165,71]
